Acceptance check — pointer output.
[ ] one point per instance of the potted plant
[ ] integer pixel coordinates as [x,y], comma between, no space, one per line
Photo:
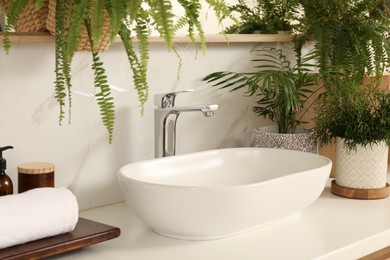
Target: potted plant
[283,90]
[128,19]
[357,118]
[250,19]
[349,37]
[269,16]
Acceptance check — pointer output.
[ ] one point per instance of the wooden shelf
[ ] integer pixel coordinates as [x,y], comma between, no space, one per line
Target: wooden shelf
[230,38]
[17,37]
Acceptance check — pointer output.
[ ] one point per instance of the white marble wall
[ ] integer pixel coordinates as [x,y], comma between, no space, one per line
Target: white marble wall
[84,160]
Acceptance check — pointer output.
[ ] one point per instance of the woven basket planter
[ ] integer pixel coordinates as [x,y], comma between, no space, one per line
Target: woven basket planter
[30,20]
[84,44]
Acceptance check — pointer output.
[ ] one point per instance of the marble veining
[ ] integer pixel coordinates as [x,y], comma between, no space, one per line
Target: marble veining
[84,160]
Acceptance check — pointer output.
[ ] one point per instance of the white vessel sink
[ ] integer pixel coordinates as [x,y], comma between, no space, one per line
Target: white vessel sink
[220,193]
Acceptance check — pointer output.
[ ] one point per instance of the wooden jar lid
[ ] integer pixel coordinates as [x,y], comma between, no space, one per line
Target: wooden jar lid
[36,168]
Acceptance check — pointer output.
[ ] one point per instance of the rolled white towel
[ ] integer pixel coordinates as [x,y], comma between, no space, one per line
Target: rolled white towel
[36,214]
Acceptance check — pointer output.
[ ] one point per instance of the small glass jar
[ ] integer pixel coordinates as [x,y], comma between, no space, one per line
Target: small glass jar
[35,175]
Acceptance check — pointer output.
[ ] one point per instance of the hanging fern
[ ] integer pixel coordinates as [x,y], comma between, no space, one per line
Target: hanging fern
[62,66]
[15,8]
[221,10]
[76,19]
[192,10]
[128,19]
[142,32]
[96,14]
[103,97]
[116,10]
[348,35]
[161,12]
[132,8]
[138,67]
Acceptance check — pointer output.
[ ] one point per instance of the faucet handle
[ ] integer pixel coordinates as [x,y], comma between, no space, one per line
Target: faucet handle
[168,99]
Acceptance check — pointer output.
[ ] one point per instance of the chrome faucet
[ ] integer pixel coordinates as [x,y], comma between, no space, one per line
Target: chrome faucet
[165,118]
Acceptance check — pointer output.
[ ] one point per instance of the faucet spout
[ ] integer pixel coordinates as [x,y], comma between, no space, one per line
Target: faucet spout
[202,108]
[165,120]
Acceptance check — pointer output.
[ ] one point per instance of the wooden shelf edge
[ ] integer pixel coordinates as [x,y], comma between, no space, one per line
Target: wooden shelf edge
[21,37]
[228,38]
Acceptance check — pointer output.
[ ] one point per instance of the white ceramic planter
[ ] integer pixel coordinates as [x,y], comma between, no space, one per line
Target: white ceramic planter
[268,137]
[365,168]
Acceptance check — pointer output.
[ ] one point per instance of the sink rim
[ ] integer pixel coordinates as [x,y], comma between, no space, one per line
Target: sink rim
[326,163]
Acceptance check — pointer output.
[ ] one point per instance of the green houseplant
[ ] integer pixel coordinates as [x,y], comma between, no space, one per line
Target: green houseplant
[282,88]
[346,35]
[351,43]
[250,19]
[269,16]
[357,117]
[128,19]
[358,113]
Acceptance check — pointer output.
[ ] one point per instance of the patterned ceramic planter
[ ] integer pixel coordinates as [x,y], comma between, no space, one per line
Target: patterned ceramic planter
[268,137]
[365,168]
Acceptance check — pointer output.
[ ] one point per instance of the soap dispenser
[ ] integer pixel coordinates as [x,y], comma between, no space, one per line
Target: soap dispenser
[6,186]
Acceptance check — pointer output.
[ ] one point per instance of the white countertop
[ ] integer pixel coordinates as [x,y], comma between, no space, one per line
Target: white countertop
[331,228]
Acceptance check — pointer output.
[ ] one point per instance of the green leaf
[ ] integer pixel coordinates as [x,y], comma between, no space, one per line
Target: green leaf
[96,14]
[138,66]
[103,97]
[39,4]
[76,19]
[117,12]
[161,12]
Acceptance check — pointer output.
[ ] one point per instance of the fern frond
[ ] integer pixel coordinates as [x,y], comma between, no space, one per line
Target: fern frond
[59,85]
[76,19]
[116,10]
[132,8]
[62,64]
[138,67]
[180,23]
[96,15]
[192,13]
[6,41]
[161,12]
[221,10]
[39,4]
[143,32]
[103,97]
[14,11]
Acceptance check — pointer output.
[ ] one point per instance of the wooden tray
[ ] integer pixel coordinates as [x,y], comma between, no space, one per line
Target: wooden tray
[364,194]
[86,233]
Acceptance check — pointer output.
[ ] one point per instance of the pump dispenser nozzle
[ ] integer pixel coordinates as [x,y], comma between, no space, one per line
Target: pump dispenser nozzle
[6,187]
[3,162]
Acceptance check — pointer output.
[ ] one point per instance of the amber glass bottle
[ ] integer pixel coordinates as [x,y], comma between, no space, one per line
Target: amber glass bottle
[6,187]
